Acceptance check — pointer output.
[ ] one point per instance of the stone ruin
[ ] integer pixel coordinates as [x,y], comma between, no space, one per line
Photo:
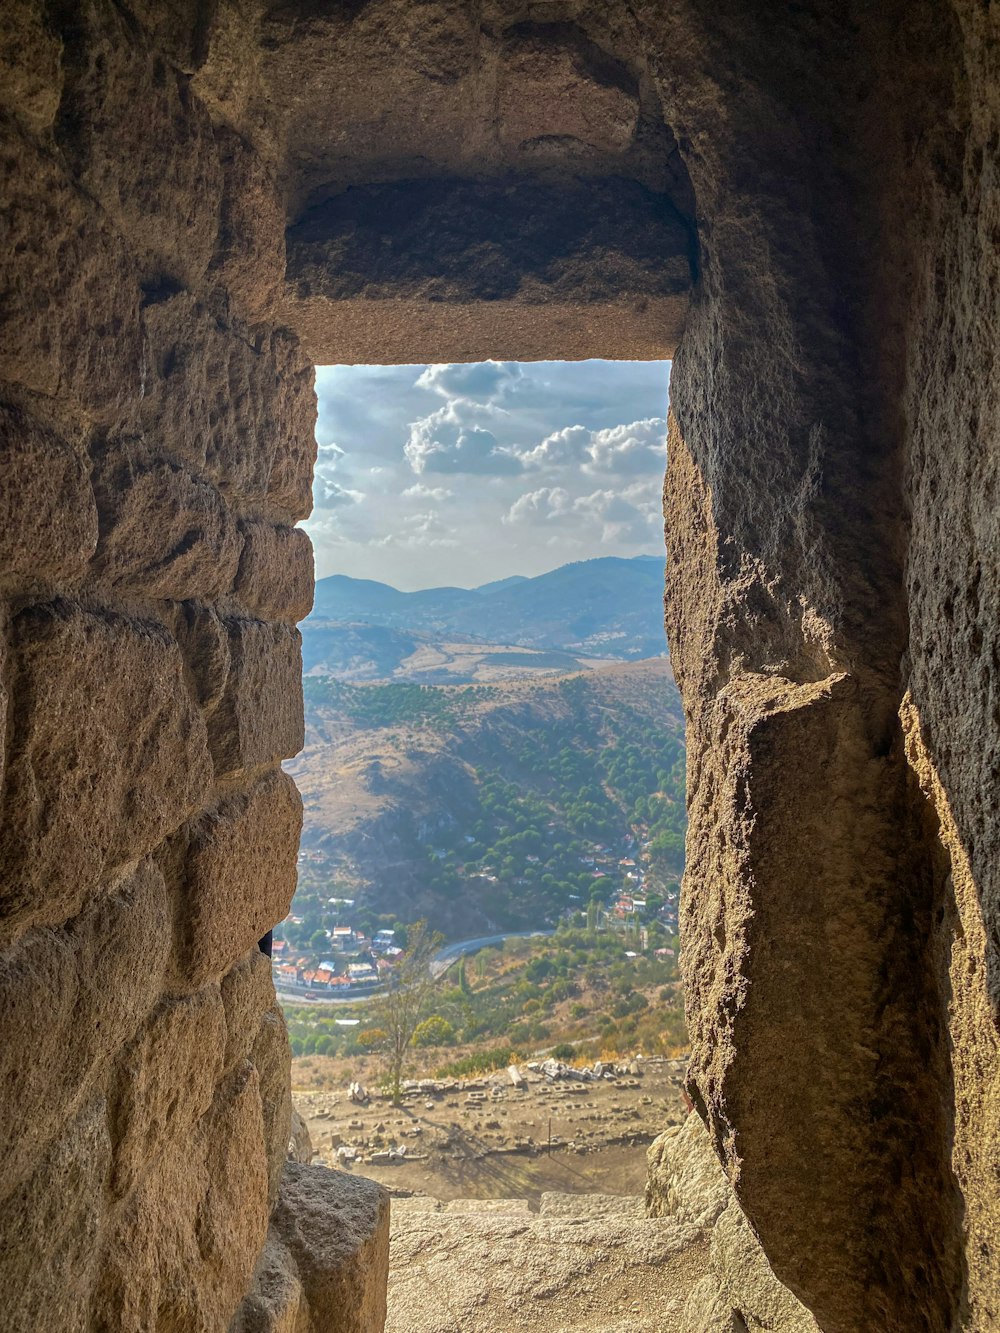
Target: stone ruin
[800,204]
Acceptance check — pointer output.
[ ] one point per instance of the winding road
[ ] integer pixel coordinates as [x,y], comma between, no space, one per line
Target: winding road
[440,964]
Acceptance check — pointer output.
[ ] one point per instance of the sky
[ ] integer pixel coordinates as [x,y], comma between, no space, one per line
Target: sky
[462,474]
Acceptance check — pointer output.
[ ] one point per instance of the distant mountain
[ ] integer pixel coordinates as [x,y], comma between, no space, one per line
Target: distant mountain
[608,607]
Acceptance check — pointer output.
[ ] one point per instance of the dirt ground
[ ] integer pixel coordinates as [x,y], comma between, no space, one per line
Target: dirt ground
[486,1138]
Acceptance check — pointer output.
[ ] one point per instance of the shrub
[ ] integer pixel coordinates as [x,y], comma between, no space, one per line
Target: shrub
[480,1062]
[434,1031]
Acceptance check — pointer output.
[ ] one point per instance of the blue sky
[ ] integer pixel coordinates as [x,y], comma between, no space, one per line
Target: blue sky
[459,474]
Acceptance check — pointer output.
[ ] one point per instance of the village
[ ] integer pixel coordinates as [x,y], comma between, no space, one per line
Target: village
[329,948]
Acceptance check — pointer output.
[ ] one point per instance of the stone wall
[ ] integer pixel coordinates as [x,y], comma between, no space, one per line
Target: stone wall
[156,430]
[825,179]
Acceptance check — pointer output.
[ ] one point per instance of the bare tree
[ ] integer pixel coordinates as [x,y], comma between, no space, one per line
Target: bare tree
[405,1001]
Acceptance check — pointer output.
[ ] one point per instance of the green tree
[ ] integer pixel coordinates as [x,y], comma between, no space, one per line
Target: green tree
[434,1031]
[402,1006]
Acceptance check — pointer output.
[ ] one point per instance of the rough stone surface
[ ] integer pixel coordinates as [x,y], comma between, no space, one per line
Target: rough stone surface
[50,1231]
[139,143]
[240,874]
[259,717]
[69,999]
[832,596]
[579,1265]
[164,533]
[740,1293]
[275,579]
[401,271]
[69,314]
[48,517]
[335,1231]
[241,416]
[106,756]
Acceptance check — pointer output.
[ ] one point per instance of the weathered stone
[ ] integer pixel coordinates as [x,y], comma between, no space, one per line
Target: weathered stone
[684,1179]
[403,270]
[336,1230]
[707,1310]
[300,1148]
[48,518]
[275,1302]
[560,95]
[203,638]
[69,307]
[240,416]
[69,999]
[164,533]
[276,575]
[30,73]
[247,995]
[272,1058]
[259,718]
[140,143]
[166,1082]
[249,261]
[687,1183]
[747,1280]
[50,1232]
[106,755]
[185,1242]
[241,874]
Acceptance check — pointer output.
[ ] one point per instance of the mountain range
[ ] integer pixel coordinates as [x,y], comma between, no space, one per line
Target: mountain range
[609,607]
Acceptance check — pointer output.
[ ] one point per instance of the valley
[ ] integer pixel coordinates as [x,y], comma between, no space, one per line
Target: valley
[519,791]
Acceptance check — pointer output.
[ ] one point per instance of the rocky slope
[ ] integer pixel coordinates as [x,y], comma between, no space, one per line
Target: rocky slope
[393,789]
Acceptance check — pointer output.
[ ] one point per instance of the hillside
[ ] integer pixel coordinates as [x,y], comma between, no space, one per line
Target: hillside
[603,608]
[489,808]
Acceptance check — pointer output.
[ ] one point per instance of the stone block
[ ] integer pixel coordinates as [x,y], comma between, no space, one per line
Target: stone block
[336,1231]
[685,1179]
[272,1058]
[30,68]
[241,416]
[48,518]
[276,577]
[69,313]
[165,1082]
[141,144]
[164,533]
[50,1232]
[259,719]
[247,995]
[275,1302]
[203,638]
[106,755]
[69,999]
[241,874]
[185,1242]
[563,97]
[249,260]
[289,489]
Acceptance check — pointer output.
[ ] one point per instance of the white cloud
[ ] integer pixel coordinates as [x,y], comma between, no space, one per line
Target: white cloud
[480,381]
[418,491]
[638,447]
[614,516]
[543,505]
[419,530]
[329,455]
[626,450]
[569,445]
[450,441]
[330,495]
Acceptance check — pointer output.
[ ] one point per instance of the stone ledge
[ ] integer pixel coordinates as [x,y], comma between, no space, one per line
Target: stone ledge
[326,1261]
[462,269]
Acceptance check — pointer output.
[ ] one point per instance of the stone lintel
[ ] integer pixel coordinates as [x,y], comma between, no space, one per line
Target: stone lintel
[463,270]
